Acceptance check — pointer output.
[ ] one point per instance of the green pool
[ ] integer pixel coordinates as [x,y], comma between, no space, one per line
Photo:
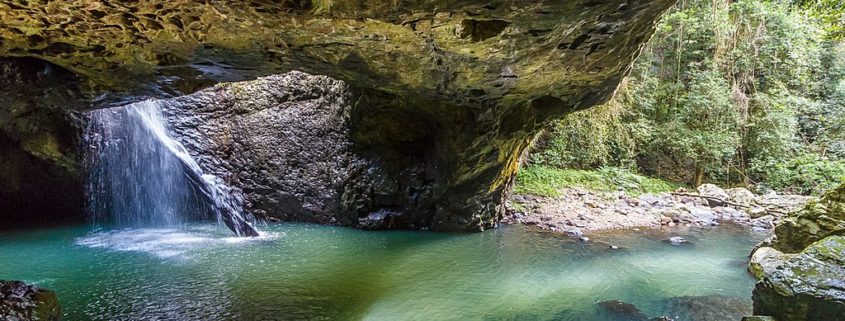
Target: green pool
[308,272]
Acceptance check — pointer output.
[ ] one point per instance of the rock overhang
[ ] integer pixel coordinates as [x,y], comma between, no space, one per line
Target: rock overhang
[448,94]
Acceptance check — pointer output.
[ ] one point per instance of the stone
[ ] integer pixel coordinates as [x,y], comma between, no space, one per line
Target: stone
[677,240]
[764,260]
[713,191]
[707,308]
[807,286]
[741,196]
[22,302]
[619,310]
[444,95]
[817,220]
[756,212]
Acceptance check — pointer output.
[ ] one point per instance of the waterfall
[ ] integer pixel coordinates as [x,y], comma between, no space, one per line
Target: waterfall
[139,176]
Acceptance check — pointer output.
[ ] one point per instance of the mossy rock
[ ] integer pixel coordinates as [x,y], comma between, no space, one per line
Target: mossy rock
[817,220]
[808,286]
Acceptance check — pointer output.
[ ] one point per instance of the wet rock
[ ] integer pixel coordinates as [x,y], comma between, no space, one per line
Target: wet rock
[765,260]
[22,302]
[707,308]
[620,311]
[677,240]
[807,286]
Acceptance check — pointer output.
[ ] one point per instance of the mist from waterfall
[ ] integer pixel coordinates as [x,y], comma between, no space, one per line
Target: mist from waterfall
[139,176]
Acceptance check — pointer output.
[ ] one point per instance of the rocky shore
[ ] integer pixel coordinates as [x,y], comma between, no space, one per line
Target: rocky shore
[578,211]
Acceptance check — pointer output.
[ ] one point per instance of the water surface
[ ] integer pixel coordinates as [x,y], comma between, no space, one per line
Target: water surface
[308,272]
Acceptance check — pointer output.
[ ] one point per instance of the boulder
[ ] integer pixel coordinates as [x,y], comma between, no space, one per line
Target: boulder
[741,196]
[817,220]
[22,302]
[715,194]
[765,260]
[807,286]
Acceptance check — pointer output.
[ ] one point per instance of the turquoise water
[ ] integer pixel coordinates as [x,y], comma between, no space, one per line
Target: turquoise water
[308,272]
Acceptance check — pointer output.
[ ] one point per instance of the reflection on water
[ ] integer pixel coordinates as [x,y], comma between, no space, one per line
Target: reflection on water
[307,272]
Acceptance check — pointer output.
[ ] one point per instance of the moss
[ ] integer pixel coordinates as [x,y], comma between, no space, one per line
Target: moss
[817,220]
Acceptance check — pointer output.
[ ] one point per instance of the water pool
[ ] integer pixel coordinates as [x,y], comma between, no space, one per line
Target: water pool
[310,272]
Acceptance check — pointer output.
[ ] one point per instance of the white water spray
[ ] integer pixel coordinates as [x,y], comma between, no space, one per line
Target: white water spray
[139,176]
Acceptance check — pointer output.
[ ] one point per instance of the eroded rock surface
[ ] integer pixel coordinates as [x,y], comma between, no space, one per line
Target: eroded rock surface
[448,94]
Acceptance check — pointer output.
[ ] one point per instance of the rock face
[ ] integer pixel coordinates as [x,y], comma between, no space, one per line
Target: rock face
[809,286]
[22,302]
[284,141]
[39,172]
[447,94]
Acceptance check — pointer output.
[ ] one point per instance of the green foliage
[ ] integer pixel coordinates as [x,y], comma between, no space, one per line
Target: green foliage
[735,92]
[807,173]
[547,181]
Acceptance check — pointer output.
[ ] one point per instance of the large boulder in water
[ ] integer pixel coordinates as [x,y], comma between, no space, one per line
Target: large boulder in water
[22,302]
[808,286]
[446,95]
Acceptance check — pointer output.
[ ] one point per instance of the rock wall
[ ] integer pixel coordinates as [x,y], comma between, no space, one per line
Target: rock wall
[40,181]
[447,94]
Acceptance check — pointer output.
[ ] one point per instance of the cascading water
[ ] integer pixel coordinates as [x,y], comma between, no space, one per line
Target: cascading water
[140,177]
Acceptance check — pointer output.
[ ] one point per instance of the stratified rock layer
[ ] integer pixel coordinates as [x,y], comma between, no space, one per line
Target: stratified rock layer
[448,94]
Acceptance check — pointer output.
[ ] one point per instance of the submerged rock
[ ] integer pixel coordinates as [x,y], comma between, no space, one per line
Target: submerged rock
[707,308]
[807,286]
[677,240]
[619,310]
[22,302]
